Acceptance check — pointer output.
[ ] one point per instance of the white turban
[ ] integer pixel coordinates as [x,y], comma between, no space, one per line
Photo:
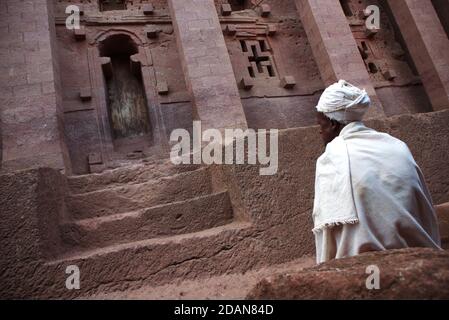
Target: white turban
[344,102]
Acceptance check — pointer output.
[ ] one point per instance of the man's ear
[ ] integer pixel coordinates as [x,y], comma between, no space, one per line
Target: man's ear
[335,125]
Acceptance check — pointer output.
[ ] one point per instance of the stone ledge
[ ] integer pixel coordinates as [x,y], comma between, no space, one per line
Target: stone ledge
[442,211]
[418,273]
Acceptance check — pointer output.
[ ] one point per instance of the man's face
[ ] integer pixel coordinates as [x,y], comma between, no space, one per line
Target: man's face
[329,129]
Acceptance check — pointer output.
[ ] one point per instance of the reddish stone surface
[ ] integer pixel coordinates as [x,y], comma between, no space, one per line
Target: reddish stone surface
[404,274]
[334,47]
[31,204]
[293,43]
[281,44]
[30,104]
[129,226]
[206,64]
[387,60]
[428,44]
[442,10]
[442,211]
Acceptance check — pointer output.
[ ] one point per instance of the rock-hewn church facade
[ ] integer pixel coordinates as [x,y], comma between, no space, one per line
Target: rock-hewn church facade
[86,116]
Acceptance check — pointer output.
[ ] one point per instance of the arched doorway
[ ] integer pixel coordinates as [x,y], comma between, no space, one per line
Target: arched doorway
[125,92]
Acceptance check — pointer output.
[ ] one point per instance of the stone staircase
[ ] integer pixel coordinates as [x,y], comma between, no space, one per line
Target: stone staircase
[145,224]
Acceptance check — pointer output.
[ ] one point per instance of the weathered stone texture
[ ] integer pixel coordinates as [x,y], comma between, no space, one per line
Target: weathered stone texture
[206,64]
[29,85]
[31,207]
[402,100]
[428,45]
[334,47]
[404,274]
[442,9]
[149,221]
[288,195]
[442,211]
[271,220]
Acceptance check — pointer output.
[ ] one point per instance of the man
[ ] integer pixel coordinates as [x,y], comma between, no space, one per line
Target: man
[370,194]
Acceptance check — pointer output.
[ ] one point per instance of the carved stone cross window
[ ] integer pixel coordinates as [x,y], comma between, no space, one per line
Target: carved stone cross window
[260,59]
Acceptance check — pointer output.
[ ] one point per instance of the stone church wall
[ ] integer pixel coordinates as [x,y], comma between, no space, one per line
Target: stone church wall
[55,102]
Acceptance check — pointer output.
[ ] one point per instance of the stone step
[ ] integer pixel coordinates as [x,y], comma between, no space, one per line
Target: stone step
[161,221]
[138,173]
[133,197]
[222,287]
[149,262]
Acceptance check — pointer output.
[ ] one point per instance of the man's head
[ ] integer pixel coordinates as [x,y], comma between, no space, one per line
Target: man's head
[329,129]
[339,105]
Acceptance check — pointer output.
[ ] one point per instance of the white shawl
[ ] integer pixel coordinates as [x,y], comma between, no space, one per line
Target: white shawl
[370,195]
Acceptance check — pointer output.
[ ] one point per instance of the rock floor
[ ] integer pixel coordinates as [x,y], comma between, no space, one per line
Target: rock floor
[227,287]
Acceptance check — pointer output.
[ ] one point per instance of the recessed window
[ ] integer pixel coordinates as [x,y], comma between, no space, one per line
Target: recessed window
[259,57]
[109,5]
[238,5]
[364,46]
[372,67]
[346,8]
